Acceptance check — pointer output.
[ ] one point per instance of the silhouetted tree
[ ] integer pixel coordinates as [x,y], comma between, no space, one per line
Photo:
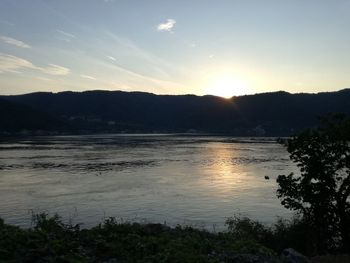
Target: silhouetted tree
[321,192]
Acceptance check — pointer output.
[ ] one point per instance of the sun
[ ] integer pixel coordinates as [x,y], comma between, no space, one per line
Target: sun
[227,87]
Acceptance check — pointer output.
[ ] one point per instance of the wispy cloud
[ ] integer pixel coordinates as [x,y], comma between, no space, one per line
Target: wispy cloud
[156,71]
[66,33]
[87,77]
[135,52]
[13,64]
[14,42]
[111,58]
[167,26]
[55,70]
[138,78]
[65,36]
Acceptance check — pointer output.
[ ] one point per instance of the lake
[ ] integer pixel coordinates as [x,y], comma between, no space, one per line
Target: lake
[177,179]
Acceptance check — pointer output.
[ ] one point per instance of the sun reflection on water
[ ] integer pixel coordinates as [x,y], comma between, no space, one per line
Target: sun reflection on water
[225,174]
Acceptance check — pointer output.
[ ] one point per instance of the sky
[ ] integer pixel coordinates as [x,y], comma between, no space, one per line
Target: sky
[219,47]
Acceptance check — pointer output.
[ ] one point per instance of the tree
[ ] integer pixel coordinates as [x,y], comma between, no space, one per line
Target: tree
[320,193]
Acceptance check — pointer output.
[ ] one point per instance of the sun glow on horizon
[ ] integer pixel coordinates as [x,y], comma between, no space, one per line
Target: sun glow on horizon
[227,86]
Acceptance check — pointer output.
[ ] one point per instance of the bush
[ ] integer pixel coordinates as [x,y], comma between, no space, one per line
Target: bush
[51,240]
[295,233]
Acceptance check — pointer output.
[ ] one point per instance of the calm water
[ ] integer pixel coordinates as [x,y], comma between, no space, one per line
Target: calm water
[160,178]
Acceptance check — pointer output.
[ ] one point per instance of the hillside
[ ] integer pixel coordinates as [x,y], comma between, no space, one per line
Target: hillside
[16,117]
[276,113]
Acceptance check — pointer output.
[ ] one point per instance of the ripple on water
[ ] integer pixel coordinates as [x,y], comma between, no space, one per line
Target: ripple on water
[198,180]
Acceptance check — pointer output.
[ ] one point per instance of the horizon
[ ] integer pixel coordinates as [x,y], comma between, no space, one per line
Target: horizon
[224,49]
[185,94]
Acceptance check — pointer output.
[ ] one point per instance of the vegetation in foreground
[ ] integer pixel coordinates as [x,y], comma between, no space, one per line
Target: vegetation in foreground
[321,192]
[51,240]
[244,241]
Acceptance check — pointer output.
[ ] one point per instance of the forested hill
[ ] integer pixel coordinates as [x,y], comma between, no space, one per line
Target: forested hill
[269,114]
[16,117]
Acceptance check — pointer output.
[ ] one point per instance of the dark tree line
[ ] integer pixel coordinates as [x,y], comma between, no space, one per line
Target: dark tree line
[267,114]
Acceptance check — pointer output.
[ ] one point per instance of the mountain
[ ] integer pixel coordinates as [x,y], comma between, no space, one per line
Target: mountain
[275,113]
[16,117]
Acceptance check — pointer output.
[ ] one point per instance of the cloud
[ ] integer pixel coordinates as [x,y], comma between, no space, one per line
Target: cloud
[65,36]
[14,42]
[111,58]
[55,70]
[13,64]
[147,69]
[140,56]
[167,26]
[87,77]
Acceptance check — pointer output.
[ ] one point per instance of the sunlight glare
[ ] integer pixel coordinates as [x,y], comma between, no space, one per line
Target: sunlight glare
[227,86]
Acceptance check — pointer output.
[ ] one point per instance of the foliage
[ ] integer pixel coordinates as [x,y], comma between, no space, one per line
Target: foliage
[321,192]
[284,233]
[51,240]
[245,228]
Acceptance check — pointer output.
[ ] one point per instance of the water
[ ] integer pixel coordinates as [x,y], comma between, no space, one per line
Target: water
[194,180]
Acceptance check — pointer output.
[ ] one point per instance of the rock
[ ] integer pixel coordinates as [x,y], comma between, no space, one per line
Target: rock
[289,255]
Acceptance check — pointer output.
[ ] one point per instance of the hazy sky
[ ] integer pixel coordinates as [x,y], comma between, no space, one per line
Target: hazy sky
[174,47]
